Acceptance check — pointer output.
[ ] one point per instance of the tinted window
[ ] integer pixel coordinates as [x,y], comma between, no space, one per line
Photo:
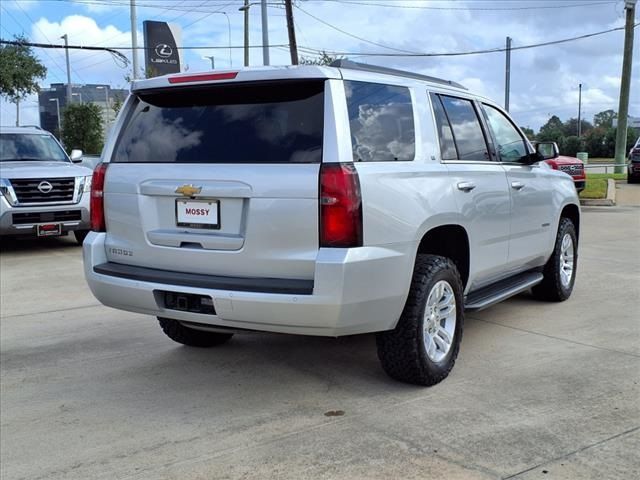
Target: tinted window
[242,123]
[447,145]
[30,147]
[467,131]
[511,146]
[381,121]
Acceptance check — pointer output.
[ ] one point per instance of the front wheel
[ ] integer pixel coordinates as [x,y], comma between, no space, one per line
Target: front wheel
[560,271]
[191,337]
[423,347]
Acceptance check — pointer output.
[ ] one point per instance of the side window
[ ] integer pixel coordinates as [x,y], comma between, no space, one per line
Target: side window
[447,145]
[381,122]
[467,132]
[511,146]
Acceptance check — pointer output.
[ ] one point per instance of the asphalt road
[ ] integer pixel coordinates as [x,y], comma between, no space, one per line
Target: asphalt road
[539,390]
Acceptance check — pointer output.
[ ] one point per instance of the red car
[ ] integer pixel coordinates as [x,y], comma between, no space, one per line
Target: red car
[570,165]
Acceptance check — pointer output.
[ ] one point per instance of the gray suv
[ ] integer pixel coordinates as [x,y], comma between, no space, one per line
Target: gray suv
[325,201]
[42,190]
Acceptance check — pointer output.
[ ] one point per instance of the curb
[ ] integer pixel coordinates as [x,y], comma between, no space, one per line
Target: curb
[609,201]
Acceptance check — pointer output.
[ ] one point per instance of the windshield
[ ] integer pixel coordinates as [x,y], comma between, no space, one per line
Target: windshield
[38,147]
[245,123]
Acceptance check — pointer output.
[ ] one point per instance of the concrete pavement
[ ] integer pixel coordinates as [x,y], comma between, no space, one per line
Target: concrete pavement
[539,390]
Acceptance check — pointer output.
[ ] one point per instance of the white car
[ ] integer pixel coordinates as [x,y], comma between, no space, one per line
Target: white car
[325,201]
[43,191]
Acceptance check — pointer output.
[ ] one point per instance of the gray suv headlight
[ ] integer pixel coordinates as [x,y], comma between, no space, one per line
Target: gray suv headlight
[87,183]
[7,191]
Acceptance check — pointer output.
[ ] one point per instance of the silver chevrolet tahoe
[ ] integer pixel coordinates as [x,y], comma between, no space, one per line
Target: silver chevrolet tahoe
[42,190]
[325,201]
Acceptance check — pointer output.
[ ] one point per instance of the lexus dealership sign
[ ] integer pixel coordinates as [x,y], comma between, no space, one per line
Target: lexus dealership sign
[161,42]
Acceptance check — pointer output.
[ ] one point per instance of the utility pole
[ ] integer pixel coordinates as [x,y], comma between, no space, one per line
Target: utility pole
[134,39]
[265,33]
[17,112]
[625,84]
[293,46]
[245,9]
[507,74]
[579,109]
[66,51]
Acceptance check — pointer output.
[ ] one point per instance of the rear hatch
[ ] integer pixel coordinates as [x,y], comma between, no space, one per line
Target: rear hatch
[218,179]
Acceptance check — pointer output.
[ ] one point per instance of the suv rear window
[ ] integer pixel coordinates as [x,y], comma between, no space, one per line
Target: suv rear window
[239,123]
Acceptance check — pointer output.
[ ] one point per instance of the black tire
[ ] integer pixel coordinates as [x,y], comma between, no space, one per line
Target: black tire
[632,179]
[402,351]
[177,332]
[552,288]
[80,235]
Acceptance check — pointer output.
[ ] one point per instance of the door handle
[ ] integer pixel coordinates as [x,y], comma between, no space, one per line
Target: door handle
[517,185]
[466,186]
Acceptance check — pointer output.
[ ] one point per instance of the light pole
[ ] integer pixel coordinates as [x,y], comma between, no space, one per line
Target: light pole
[57,113]
[245,10]
[213,61]
[579,110]
[265,33]
[106,104]
[229,26]
[66,51]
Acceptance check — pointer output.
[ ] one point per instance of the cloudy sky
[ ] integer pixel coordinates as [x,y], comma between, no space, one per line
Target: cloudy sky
[544,81]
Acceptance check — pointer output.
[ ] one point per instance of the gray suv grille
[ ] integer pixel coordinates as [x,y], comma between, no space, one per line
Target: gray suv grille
[44,190]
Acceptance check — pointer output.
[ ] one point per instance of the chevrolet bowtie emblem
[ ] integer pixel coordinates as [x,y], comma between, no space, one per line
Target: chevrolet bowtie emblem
[188,190]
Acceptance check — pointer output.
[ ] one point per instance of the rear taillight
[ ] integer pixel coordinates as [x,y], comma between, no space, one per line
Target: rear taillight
[340,206]
[97,198]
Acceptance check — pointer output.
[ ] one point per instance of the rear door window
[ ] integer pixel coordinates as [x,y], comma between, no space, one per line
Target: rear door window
[445,134]
[234,123]
[381,122]
[465,125]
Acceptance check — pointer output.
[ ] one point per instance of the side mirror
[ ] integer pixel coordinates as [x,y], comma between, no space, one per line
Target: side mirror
[547,150]
[76,155]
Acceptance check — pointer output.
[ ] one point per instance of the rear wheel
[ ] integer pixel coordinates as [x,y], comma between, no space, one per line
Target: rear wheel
[191,337]
[423,347]
[560,270]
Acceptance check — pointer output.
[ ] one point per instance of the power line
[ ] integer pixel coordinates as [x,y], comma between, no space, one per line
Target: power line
[351,34]
[313,50]
[472,52]
[46,38]
[114,50]
[467,8]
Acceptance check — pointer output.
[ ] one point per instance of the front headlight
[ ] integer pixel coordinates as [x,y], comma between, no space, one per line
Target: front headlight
[7,191]
[87,183]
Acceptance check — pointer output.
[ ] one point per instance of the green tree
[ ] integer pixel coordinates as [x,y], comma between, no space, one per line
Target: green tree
[323,59]
[604,119]
[19,71]
[529,133]
[552,131]
[570,146]
[594,142]
[570,127]
[82,124]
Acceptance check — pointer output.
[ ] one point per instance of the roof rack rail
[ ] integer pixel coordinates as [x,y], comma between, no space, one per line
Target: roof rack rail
[351,65]
[32,126]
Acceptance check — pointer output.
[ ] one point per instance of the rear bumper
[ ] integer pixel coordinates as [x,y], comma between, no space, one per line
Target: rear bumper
[353,291]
